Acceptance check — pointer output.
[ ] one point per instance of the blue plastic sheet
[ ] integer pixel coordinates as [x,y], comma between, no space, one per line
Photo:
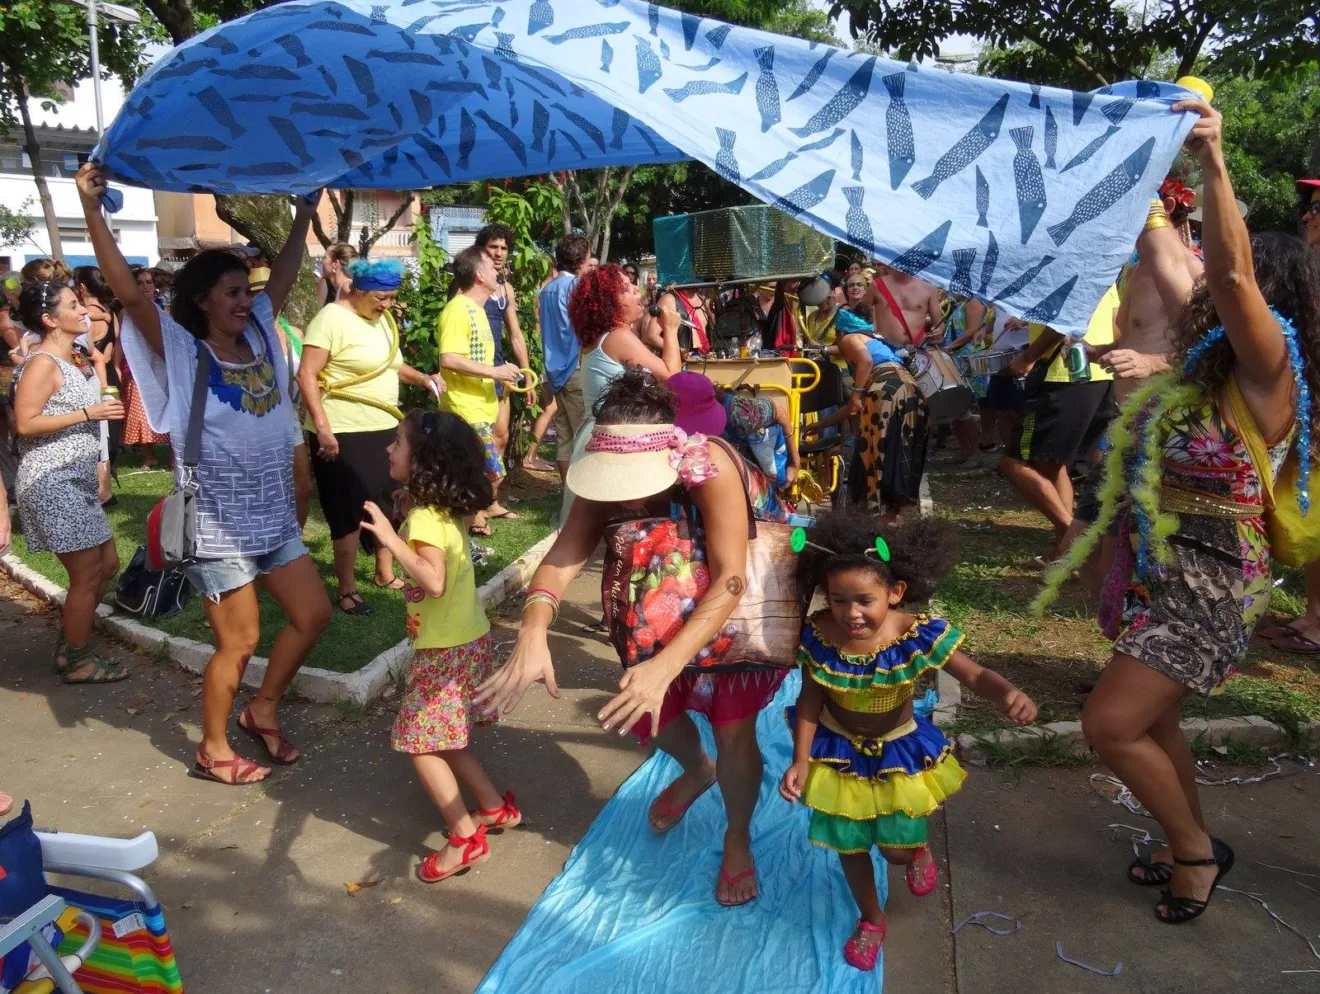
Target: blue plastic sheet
[1032,197]
[636,912]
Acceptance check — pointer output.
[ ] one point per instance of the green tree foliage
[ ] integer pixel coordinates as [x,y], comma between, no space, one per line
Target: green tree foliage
[1102,41]
[422,296]
[17,226]
[44,48]
[1270,130]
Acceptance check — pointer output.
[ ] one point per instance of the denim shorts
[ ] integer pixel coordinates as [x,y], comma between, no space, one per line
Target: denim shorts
[213,577]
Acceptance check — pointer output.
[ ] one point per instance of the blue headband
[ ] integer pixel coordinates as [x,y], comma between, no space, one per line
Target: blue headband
[847,323]
[384,275]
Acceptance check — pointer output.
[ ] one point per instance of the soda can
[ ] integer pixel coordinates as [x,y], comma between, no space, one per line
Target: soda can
[109,393]
[1078,362]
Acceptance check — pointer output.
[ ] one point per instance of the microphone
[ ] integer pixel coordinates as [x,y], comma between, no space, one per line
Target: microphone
[654,311]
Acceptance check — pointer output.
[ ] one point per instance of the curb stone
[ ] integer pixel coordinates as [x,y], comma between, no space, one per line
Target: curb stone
[360,687]
[1067,737]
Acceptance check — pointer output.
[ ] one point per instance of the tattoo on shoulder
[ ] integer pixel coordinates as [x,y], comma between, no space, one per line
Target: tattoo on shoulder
[735,585]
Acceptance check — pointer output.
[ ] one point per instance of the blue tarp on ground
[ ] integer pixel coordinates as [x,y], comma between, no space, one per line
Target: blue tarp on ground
[636,912]
[1027,196]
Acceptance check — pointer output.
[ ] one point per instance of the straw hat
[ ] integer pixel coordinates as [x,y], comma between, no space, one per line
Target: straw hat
[608,476]
[258,278]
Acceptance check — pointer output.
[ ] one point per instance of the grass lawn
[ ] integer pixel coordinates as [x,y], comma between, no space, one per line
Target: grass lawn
[1055,657]
[349,643]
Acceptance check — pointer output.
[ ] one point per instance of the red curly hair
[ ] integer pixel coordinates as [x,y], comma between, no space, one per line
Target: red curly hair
[594,307]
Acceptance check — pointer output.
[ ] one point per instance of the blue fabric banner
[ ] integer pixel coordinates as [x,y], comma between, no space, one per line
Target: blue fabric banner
[1025,195]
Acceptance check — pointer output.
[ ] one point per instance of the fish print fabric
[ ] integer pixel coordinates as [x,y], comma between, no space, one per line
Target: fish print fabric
[916,166]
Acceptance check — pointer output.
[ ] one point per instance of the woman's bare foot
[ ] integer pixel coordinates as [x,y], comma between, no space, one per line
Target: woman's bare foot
[6,802]
[538,465]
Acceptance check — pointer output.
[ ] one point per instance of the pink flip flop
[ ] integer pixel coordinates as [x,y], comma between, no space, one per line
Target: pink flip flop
[731,881]
[662,807]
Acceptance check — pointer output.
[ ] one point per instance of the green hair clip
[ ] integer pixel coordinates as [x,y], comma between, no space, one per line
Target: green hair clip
[797,541]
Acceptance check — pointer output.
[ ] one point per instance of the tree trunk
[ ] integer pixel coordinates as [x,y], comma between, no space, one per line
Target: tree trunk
[34,159]
[607,223]
[265,221]
[392,220]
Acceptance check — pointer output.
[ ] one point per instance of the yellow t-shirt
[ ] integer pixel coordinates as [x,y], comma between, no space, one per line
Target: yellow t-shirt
[356,348]
[456,618]
[465,331]
[1099,331]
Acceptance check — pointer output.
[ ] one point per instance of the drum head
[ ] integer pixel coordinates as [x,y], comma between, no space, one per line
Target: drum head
[950,404]
[919,363]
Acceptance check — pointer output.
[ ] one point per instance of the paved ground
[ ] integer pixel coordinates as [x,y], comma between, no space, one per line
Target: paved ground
[253,881]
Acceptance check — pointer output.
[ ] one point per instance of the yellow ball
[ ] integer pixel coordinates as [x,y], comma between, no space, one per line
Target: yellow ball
[1197,86]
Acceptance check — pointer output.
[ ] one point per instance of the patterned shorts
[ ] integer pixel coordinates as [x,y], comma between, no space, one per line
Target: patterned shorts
[436,713]
[494,460]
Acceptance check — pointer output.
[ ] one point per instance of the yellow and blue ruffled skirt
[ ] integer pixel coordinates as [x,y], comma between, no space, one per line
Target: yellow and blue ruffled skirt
[876,792]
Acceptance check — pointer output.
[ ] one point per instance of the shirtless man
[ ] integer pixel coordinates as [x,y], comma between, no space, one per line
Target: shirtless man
[1157,288]
[918,302]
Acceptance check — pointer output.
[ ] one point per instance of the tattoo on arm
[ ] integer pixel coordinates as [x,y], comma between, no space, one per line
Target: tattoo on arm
[735,585]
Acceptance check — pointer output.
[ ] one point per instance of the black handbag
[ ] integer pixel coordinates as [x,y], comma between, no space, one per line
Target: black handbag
[151,593]
[172,523]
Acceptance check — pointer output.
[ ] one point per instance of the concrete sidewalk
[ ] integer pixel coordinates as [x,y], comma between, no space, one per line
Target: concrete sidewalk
[253,880]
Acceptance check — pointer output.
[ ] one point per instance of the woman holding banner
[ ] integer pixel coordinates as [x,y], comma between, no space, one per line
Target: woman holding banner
[247,531]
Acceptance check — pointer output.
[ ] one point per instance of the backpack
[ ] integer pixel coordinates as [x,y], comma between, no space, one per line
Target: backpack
[151,593]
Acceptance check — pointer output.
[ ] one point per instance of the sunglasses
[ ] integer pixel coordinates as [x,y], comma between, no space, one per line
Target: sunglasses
[1311,210]
[856,286]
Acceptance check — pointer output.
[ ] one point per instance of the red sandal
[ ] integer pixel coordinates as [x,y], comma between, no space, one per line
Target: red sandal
[506,815]
[286,754]
[205,767]
[922,881]
[863,948]
[475,850]
[664,807]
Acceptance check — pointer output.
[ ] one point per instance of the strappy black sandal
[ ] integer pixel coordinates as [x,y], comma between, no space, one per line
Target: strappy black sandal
[1180,910]
[1154,873]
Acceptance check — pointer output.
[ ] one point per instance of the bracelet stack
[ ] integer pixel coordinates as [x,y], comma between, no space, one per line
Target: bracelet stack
[539,595]
[1157,218]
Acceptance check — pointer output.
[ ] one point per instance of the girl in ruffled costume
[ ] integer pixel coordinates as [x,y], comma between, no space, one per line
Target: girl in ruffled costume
[870,769]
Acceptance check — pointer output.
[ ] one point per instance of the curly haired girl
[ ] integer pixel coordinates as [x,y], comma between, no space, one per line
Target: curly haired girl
[440,459]
[869,768]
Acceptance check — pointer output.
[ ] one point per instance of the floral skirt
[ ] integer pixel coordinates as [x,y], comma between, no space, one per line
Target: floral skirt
[436,713]
[891,446]
[1191,619]
[876,792]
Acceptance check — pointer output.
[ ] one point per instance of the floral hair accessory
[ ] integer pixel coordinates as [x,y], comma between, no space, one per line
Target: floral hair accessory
[689,455]
[1178,192]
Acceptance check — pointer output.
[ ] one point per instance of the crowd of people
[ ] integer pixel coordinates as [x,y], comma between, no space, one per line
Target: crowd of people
[1212,346]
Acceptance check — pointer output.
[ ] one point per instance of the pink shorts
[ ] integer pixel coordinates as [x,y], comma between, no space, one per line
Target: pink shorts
[724,698]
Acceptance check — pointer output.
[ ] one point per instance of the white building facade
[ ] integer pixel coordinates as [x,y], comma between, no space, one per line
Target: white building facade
[66,136]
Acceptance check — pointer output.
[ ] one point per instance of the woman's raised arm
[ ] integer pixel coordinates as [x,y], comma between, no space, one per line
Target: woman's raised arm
[92,180]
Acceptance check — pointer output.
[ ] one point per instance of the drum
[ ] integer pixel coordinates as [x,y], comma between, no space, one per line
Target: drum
[947,394]
[988,362]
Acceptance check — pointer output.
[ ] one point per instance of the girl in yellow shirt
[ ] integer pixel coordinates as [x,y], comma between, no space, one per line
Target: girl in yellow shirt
[440,459]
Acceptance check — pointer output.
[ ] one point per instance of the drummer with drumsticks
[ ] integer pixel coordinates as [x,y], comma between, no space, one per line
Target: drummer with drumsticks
[905,307]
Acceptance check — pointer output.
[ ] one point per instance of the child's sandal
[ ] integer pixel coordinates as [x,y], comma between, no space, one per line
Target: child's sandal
[475,850]
[506,815]
[921,881]
[862,950]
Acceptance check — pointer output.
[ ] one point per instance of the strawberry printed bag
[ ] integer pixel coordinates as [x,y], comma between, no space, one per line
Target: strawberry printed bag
[655,575]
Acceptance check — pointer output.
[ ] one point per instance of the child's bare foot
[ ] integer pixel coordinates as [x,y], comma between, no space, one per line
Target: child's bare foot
[668,809]
[737,881]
